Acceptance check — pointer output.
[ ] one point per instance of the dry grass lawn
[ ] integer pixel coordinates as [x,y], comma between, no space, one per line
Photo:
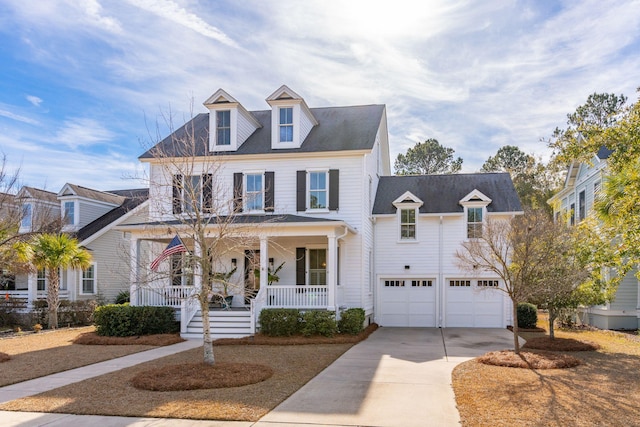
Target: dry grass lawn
[36,355]
[277,367]
[604,390]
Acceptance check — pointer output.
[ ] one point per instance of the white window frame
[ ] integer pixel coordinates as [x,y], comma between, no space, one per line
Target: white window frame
[286,125]
[69,215]
[187,206]
[218,128]
[402,223]
[475,224]
[23,223]
[94,280]
[253,194]
[326,190]
[326,261]
[42,279]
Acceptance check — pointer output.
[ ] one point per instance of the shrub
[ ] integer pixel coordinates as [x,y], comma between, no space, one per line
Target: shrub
[123,297]
[280,322]
[125,320]
[527,316]
[351,321]
[318,322]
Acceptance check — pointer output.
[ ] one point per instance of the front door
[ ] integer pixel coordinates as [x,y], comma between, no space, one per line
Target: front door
[317,267]
[251,275]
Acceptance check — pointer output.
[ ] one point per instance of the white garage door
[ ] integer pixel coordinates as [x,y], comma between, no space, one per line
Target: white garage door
[407,302]
[473,303]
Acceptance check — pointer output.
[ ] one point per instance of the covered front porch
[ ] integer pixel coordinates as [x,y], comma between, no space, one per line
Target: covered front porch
[280,264]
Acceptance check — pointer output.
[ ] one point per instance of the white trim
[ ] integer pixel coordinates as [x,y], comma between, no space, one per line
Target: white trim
[94,279]
[308,191]
[245,197]
[115,223]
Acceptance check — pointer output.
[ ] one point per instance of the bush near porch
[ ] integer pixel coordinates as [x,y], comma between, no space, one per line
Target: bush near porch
[124,320]
[286,322]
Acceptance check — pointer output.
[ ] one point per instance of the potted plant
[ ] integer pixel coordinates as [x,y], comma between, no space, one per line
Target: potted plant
[272,274]
[222,278]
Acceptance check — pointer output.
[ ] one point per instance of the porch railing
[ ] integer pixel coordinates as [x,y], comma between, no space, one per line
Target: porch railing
[170,296]
[23,294]
[296,296]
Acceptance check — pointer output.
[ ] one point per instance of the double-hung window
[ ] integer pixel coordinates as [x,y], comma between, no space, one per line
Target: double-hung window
[27,215]
[407,224]
[89,280]
[318,190]
[582,205]
[192,193]
[254,192]
[223,127]
[474,222]
[69,213]
[286,124]
[41,280]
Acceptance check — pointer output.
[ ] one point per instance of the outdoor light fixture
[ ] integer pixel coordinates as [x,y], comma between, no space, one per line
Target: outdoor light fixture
[234,262]
[271,263]
[406,267]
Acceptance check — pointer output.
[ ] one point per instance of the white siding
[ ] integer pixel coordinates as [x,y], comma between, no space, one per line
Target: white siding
[245,126]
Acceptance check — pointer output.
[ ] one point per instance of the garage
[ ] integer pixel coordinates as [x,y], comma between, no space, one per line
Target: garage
[407,302]
[473,303]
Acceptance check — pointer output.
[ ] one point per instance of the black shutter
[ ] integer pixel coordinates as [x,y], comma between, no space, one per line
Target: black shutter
[207,192]
[334,189]
[301,265]
[301,191]
[269,191]
[177,194]
[237,192]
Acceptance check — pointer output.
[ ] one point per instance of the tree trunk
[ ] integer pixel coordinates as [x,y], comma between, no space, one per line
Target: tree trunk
[209,357]
[516,341]
[552,318]
[53,297]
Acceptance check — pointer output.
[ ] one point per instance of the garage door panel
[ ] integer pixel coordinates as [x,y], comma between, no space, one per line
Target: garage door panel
[473,306]
[407,305]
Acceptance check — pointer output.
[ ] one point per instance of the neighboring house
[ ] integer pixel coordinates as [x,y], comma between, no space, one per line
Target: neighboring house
[90,216]
[575,201]
[305,180]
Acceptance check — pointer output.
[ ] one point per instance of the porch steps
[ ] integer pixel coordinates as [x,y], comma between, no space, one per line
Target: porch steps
[224,324]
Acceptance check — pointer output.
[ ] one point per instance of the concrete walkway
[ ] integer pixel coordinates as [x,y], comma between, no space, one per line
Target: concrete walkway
[397,377]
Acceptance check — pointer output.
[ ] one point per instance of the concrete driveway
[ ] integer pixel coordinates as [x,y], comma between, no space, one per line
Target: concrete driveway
[397,377]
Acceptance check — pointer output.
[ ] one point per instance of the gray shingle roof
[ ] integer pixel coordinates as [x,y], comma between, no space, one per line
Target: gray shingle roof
[442,193]
[102,196]
[131,199]
[339,128]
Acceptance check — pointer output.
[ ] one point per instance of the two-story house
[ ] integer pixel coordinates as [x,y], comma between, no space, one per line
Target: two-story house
[303,183]
[90,216]
[582,185]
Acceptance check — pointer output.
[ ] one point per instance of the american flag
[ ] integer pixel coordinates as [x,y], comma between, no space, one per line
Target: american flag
[175,247]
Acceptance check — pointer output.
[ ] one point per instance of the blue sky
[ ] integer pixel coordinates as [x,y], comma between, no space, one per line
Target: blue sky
[86,85]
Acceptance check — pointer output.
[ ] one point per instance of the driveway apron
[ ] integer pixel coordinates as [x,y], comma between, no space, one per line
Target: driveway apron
[397,377]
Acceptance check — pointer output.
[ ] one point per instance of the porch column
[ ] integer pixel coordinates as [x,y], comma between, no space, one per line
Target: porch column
[133,273]
[264,262]
[32,288]
[332,265]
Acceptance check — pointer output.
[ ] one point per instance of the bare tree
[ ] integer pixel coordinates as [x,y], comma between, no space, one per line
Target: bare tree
[192,199]
[512,250]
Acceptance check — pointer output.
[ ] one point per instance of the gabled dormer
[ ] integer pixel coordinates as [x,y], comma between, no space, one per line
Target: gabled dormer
[475,209]
[407,207]
[291,119]
[79,205]
[38,208]
[230,124]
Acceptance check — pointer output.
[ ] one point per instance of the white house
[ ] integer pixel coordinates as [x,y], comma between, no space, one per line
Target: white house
[581,187]
[313,187]
[90,216]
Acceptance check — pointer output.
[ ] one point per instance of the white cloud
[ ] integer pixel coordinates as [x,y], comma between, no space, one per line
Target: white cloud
[171,11]
[79,132]
[17,117]
[34,100]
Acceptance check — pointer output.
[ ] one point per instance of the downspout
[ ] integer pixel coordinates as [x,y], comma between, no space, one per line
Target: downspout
[441,287]
[335,296]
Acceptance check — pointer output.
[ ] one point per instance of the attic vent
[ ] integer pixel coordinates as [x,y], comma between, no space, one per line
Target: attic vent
[476,199]
[285,96]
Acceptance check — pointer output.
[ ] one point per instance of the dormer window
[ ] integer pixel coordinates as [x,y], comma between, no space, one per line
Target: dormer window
[407,206]
[286,124]
[223,127]
[475,209]
[69,213]
[474,223]
[27,215]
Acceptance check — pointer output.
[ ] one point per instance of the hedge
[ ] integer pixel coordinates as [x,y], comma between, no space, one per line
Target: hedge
[125,320]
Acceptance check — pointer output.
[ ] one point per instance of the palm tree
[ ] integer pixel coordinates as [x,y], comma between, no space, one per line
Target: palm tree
[52,252]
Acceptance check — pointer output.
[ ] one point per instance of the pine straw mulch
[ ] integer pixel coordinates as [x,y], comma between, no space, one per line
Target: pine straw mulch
[48,352]
[157,340]
[114,393]
[529,359]
[602,391]
[560,344]
[4,357]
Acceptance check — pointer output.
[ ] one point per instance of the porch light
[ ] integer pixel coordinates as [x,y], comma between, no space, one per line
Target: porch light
[234,262]
[271,263]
